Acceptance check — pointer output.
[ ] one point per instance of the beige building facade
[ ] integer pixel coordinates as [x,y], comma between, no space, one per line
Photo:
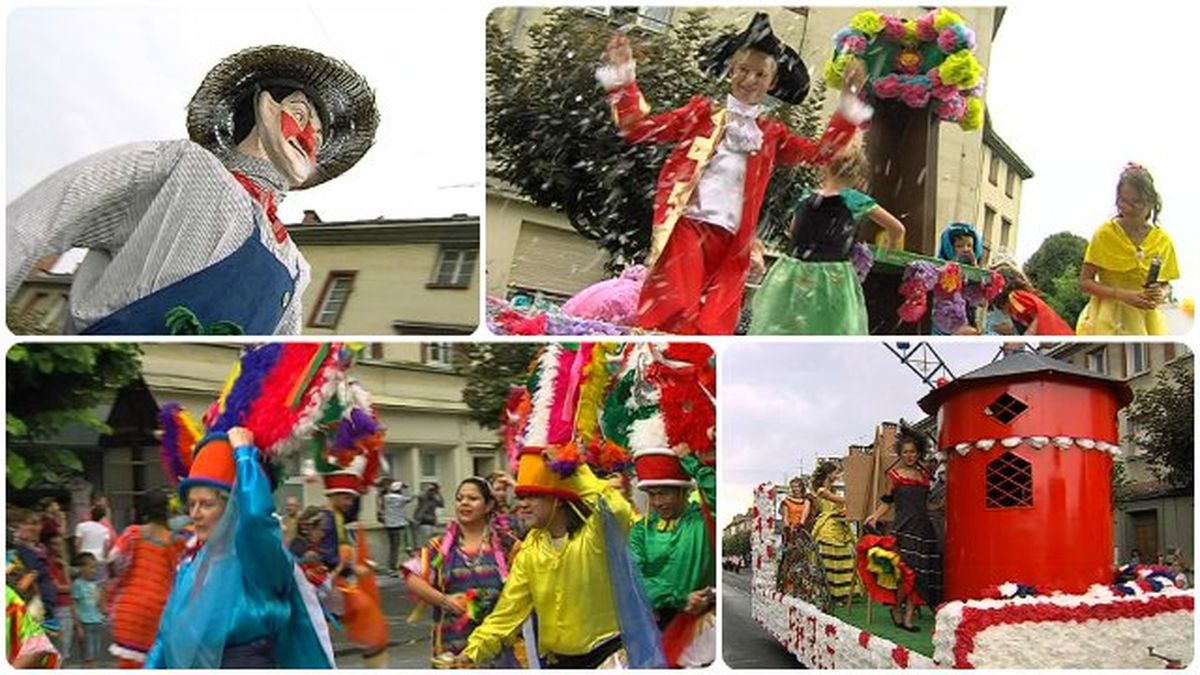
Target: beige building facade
[391,277]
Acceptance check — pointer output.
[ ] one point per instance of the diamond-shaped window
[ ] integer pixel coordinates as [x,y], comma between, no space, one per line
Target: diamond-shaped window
[1009,480]
[1006,408]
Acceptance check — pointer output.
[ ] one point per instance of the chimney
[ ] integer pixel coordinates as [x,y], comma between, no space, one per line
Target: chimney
[310,218]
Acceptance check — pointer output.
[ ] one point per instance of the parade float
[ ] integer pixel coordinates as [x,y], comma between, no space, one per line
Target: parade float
[1027,446]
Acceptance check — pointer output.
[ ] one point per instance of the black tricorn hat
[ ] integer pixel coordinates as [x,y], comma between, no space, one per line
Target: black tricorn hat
[791,85]
[344,101]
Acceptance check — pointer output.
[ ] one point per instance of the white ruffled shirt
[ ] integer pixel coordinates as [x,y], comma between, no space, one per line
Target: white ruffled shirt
[719,195]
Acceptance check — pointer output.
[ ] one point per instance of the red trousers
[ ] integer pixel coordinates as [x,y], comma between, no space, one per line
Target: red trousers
[696,285]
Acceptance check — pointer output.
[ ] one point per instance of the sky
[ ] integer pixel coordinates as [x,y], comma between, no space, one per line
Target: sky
[81,80]
[1079,89]
[785,404]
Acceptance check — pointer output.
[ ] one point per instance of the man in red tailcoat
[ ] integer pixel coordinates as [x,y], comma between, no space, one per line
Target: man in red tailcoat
[710,191]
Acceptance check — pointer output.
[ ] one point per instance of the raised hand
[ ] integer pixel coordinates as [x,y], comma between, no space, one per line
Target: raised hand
[618,52]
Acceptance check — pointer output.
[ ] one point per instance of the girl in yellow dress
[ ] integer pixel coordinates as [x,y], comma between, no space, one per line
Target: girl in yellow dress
[1118,261]
[835,541]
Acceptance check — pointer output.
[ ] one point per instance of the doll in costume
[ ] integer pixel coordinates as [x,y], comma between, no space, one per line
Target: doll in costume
[1117,265]
[573,570]
[815,289]
[257,609]
[710,191]
[183,235]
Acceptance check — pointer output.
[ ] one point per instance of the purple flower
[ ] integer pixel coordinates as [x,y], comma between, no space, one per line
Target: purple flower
[924,272]
[949,312]
[862,259]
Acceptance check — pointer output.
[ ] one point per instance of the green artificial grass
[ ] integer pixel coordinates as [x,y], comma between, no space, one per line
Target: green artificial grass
[882,626]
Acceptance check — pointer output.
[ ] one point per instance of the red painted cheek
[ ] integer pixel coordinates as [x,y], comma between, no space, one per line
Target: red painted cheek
[287,125]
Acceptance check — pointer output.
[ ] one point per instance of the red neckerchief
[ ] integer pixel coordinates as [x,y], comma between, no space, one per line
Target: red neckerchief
[266,199]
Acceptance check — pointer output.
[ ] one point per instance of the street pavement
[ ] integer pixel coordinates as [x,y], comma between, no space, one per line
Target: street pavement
[408,644]
[745,644]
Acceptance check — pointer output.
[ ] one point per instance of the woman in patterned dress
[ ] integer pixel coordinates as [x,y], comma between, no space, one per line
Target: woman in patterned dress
[461,573]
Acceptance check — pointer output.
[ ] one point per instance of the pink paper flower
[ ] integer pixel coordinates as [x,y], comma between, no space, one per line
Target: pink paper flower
[952,109]
[914,95]
[948,41]
[925,29]
[887,86]
[854,44]
[893,28]
[913,309]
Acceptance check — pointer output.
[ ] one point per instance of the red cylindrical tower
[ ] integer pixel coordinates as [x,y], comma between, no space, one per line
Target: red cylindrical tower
[1029,474]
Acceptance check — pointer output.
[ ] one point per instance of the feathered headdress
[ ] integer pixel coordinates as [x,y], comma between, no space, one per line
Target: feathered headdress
[348,445]
[279,391]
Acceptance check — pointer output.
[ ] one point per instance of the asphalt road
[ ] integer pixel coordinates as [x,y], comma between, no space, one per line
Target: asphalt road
[745,644]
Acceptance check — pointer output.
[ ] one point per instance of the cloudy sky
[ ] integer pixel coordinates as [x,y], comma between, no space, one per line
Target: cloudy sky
[85,79]
[783,404]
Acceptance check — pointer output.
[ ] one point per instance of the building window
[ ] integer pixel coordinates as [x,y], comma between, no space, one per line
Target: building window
[439,354]
[1096,361]
[653,19]
[1005,232]
[429,472]
[1009,482]
[455,267]
[989,222]
[994,170]
[483,465]
[334,295]
[1137,358]
[1010,182]
[1006,408]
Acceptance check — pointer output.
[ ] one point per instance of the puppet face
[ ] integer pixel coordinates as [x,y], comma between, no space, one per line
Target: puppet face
[667,502]
[470,505]
[751,76]
[205,506]
[290,131]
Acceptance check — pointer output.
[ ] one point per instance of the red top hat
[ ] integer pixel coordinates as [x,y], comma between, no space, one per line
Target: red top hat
[659,467]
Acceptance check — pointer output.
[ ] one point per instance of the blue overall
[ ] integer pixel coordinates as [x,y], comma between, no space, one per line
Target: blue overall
[243,294]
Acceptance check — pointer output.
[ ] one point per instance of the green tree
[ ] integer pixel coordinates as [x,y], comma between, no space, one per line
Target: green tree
[491,370]
[1054,271]
[52,386]
[550,133]
[736,544]
[1161,419]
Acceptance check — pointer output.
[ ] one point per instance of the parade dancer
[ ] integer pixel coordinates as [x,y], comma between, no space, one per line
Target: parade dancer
[144,559]
[573,571]
[710,191]
[183,235]
[256,610]
[462,572]
[349,468]
[674,549]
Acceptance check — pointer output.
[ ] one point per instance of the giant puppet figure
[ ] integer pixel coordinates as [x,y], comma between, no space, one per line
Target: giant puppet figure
[183,235]
[710,191]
